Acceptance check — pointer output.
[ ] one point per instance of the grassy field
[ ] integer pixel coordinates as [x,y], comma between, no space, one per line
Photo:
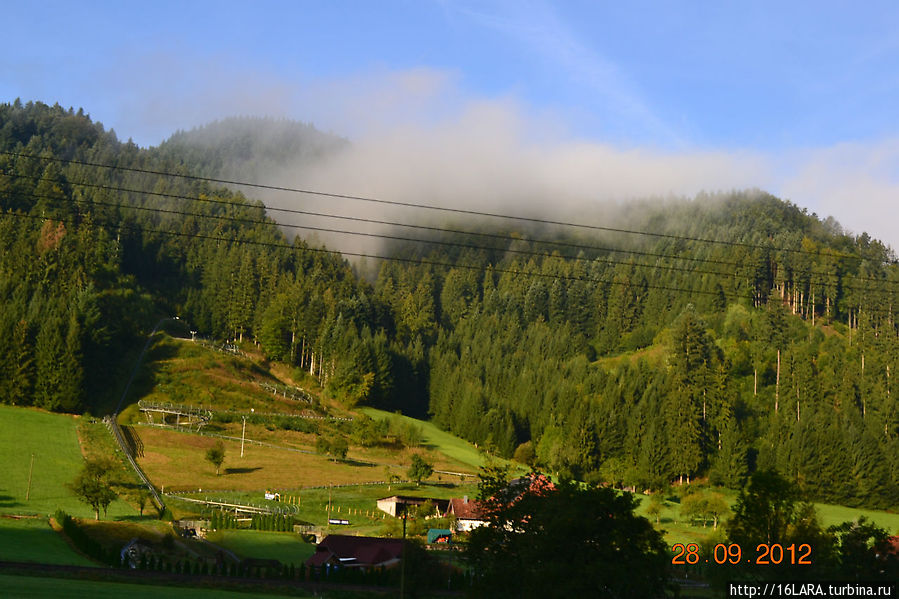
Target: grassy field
[177,461]
[53,441]
[32,540]
[437,440]
[286,547]
[836,514]
[182,372]
[186,373]
[357,503]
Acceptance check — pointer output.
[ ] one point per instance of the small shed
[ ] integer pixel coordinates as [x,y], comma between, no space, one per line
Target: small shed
[437,536]
[397,504]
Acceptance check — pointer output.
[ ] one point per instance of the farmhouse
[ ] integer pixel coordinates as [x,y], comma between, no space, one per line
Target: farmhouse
[396,504]
[356,552]
[468,513]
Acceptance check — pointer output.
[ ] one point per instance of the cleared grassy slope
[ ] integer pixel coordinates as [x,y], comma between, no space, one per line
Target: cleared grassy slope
[176,460]
[53,440]
[286,547]
[443,442]
[179,371]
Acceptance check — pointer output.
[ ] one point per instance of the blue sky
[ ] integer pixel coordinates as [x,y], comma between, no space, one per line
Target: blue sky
[635,98]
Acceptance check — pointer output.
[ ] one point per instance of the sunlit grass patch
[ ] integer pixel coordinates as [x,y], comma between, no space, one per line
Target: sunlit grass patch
[53,441]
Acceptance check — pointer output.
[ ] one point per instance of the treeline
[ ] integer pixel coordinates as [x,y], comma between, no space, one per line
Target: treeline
[635,360]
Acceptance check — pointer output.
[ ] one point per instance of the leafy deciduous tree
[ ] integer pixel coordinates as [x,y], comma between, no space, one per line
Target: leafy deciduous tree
[216,456]
[419,469]
[92,485]
[566,542]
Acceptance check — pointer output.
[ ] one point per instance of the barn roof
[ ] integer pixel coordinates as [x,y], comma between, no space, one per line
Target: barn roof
[357,551]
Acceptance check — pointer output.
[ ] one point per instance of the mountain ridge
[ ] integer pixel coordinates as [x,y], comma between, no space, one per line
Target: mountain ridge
[497,341]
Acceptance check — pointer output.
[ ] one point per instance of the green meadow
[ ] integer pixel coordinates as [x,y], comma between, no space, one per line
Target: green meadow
[53,441]
[286,547]
[357,503]
[442,441]
[830,515]
[678,530]
[32,540]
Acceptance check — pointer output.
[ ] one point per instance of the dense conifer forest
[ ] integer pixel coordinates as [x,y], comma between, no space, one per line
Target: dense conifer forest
[743,334]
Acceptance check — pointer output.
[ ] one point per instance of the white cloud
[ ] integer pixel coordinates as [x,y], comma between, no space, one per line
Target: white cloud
[418,136]
[485,156]
[856,183]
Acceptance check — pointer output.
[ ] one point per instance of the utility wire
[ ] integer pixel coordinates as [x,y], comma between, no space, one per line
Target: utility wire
[498,236]
[456,231]
[418,206]
[610,261]
[240,220]
[249,221]
[340,253]
[424,261]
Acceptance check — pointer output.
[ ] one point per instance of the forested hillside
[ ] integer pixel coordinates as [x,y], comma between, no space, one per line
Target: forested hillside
[92,256]
[743,333]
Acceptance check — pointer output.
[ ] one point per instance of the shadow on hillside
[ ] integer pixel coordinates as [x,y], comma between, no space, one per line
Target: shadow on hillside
[358,464]
[145,378]
[242,470]
[8,501]
[441,484]
[161,349]
[149,516]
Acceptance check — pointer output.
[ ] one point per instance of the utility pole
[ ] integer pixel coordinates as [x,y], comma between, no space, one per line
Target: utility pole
[30,470]
[329,508]
[243,432]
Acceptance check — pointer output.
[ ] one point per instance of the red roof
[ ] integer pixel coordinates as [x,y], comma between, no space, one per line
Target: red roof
[465,509]
[357,551]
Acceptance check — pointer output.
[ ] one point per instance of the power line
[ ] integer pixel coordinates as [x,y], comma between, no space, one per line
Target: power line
[340,253]
[387,237]
[419,261]
[419,206]
[434,242]
[456,231]
[503,237]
